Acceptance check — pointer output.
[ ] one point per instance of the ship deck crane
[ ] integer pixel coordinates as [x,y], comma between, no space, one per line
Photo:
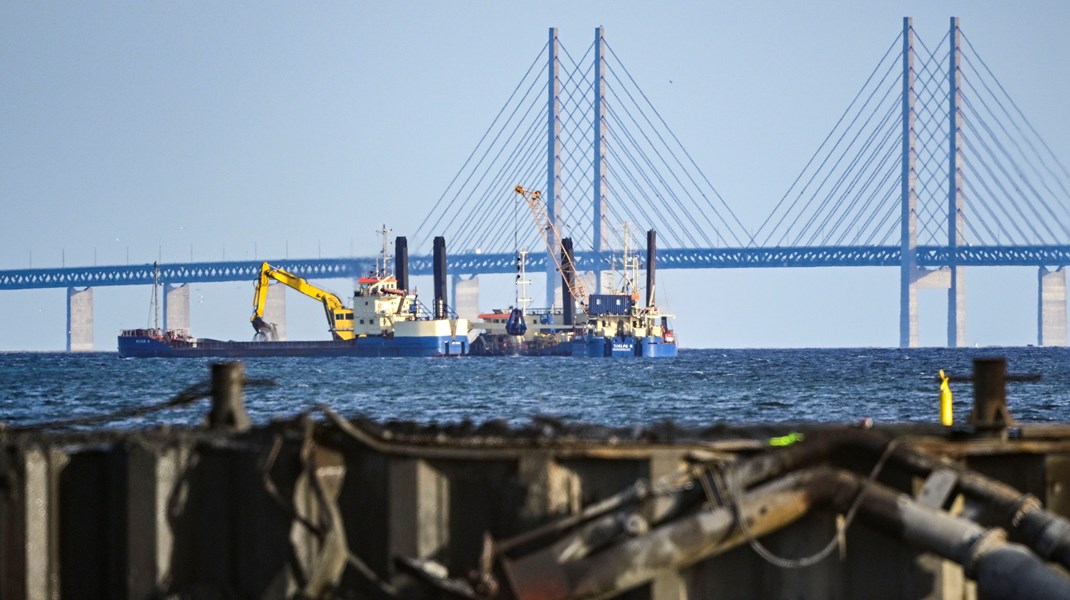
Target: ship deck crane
[339,318]
[533,198]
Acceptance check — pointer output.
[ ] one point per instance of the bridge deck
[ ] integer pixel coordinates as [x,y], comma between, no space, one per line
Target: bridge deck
[476,264]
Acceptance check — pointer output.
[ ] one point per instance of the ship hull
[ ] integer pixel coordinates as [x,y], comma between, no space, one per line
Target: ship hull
[507,345]
[622,347]
[151,347]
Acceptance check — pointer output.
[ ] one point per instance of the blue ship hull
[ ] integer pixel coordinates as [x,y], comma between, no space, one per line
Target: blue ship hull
[622,347]
[146,346]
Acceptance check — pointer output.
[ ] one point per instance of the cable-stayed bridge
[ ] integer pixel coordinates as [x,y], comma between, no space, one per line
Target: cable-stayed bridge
[930,168]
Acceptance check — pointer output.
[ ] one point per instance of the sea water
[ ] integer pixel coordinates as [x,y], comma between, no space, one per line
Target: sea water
[698,388]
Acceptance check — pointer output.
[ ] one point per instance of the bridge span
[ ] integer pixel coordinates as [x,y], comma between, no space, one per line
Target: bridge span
[931,169]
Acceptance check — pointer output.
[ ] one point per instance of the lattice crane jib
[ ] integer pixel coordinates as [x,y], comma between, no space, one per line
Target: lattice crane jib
[533,198]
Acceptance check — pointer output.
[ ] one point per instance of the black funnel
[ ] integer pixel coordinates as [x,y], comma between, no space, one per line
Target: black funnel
[568,275]
[440,277]
[401,262]
[651,260]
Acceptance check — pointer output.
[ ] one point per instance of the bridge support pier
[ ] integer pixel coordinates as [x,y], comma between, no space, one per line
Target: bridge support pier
[1051,307]
[939,279]
[176,308]
[79,320]
[275,309]
[466,296]
[956,308]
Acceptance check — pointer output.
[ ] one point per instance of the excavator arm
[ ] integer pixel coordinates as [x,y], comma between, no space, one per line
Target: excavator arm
[339,318]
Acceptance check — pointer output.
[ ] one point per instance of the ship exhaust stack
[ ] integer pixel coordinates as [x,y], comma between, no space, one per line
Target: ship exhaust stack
[568,275]
[651,260]
[440,277]
[401,262]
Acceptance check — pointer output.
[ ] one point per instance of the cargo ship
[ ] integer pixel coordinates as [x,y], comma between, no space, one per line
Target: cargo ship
[609,325]
[385,320]
[617,325]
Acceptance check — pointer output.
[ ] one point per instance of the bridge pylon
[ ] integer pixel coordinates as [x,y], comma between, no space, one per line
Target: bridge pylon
[912,277]
[79,319]
[956,294]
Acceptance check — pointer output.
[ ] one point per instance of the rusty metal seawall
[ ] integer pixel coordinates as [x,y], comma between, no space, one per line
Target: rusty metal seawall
[320,505]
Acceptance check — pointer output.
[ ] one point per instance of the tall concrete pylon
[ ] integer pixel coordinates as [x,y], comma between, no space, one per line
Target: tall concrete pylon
[598,218]
[176,308]
[1051,307]
[553,170]
[956,294]
[908,269]
[275,309]
[79,320]
[913,278]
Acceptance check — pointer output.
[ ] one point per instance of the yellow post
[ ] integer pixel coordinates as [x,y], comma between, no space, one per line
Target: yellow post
[946,415]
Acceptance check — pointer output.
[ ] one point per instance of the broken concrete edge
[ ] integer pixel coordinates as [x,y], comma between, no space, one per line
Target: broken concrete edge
[551,432]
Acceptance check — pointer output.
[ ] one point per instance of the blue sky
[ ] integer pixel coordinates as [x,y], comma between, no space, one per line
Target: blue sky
[212,130]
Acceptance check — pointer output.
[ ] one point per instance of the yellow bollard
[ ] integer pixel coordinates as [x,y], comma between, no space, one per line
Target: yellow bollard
[946,415]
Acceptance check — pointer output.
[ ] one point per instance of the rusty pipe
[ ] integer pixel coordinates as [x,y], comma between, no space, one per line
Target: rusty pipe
[1046,533]
[1003,570]
[673,545]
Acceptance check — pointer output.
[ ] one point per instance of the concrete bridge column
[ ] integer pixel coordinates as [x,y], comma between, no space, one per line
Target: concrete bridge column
[553,170]
[956,308]
[466,296]
[1051,307]
[956,295]
[923,279]
[275,309]
[79,320]
[176,308]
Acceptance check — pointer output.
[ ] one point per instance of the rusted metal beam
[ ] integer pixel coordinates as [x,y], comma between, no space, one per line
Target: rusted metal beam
[1003,570]
[1047,533]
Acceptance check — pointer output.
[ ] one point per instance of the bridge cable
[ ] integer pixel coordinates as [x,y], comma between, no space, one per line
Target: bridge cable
[677,140]
[646,177]
[817,152]
[1017,147]
[1010,179]
[501,183]
[1020,114]
[878,170]
[497,156]
[419,229]
[852,167]
[728,226]
[654,171]
[669,189]
[843,149]
[482,139]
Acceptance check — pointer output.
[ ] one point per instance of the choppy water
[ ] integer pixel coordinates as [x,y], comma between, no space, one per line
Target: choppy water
[700,387]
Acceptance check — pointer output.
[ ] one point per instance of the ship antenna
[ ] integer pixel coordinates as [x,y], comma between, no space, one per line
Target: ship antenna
[155,295]
[521,292]
[382,271]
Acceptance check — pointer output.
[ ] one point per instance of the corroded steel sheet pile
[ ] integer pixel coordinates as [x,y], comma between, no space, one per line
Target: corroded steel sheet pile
[322,505]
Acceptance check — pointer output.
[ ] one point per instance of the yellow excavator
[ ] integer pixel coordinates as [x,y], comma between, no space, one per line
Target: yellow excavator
[339,318]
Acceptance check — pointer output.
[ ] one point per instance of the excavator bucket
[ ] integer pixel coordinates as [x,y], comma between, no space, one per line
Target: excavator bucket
[264,331]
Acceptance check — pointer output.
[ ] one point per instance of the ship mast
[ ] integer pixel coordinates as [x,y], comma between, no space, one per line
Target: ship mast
[156,295]
[522,281]
[629,267]
[382,271]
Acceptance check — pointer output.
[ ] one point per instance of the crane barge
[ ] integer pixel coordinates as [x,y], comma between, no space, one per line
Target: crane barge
[386,319]
[616,324]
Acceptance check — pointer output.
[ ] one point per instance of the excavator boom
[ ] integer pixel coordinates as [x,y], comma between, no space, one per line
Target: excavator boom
[339,318]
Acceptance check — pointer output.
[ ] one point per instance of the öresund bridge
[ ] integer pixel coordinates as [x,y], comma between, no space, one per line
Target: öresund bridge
[931,168]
